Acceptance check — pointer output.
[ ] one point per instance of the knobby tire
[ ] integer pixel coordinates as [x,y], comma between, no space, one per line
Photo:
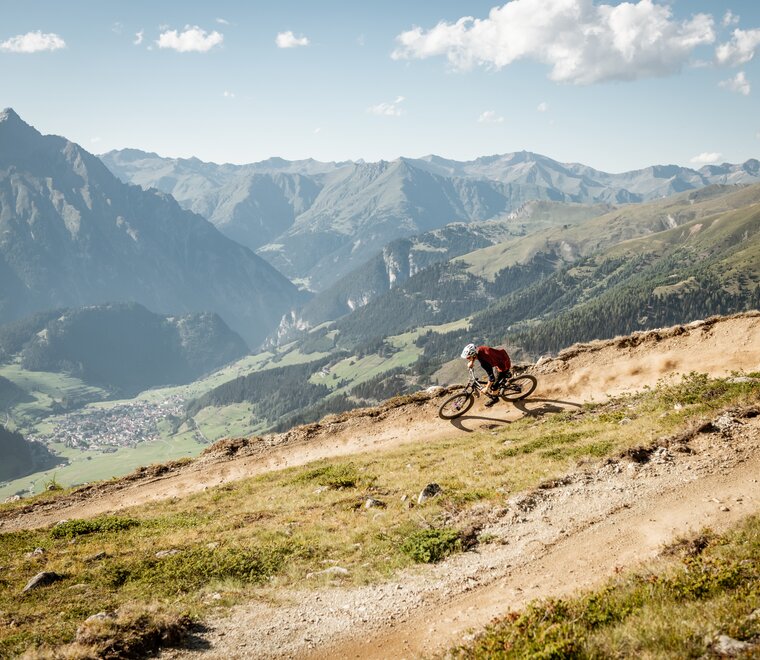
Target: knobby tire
[523,386]
[456,405]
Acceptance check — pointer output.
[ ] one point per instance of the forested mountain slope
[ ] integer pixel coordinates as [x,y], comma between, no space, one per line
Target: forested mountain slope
[529,267]
[122,347]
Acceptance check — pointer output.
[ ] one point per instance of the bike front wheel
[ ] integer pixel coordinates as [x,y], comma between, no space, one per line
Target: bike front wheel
[456,405]
[519,388]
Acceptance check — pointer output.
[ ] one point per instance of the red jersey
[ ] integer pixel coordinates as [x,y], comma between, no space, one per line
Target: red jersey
[493,357]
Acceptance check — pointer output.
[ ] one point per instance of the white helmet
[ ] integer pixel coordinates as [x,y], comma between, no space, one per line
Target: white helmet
[469,351]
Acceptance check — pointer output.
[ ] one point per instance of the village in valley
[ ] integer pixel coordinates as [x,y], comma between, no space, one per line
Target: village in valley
[121,425]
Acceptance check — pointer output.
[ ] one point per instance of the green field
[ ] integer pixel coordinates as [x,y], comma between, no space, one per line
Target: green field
[228,421]
[87,466]
[51,392]
[352,371]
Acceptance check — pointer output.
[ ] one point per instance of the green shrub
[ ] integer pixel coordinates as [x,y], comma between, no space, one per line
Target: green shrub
[72,528]
[337,477]
[431,545]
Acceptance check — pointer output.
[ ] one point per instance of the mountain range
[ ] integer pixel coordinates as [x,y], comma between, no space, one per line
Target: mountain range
[317,222]
[72,234]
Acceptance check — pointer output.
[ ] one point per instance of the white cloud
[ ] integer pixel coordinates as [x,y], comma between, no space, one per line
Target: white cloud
[543,107]
[582,42]
[228,95]
[738,84]
[222,21]
[290,40]
[490,117]
[117,28]
[95,140]
[706,158]
[741,48]
[388,109]
[33,42]
[139,37]
[193,39]
[729,19]
[317,130]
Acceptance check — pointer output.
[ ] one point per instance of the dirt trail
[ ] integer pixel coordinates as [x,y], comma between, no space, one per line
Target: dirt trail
[551,542]
[630,535]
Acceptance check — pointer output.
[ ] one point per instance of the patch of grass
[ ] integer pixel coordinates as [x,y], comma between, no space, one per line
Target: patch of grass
[193,568]
[428,546]
[72,528]
[592,450]
[700,390]
[335,476]
[676,611]
[549,442]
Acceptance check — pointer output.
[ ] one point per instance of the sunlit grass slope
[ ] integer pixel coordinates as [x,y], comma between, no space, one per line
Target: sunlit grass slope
[246,538]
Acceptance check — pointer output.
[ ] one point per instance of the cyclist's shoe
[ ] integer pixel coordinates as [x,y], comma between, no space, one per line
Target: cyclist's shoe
[490,402]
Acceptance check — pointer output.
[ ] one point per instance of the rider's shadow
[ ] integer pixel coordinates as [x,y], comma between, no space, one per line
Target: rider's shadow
[457,422]
[546,407]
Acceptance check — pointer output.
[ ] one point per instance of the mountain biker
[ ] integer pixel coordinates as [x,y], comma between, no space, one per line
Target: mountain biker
[492,360]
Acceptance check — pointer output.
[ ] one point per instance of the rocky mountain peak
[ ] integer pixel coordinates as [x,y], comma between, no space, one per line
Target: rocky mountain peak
[11,123]
[9,114]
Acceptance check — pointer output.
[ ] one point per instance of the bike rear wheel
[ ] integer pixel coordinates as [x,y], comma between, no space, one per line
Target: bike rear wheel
[456,405]
[519,388]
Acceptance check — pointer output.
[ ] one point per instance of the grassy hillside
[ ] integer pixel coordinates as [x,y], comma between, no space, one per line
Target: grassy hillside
[241,540]
[574,241]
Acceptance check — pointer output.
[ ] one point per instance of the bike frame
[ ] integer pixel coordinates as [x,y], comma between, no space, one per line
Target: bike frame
[474,385]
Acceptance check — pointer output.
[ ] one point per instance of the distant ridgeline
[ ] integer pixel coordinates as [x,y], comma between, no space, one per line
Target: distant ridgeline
[21,457]
[123,347]
[320,221]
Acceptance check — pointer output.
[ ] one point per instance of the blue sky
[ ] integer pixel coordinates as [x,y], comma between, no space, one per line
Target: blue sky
[613,85]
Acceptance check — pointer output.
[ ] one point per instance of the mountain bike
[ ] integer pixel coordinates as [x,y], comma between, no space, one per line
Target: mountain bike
[515,388]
